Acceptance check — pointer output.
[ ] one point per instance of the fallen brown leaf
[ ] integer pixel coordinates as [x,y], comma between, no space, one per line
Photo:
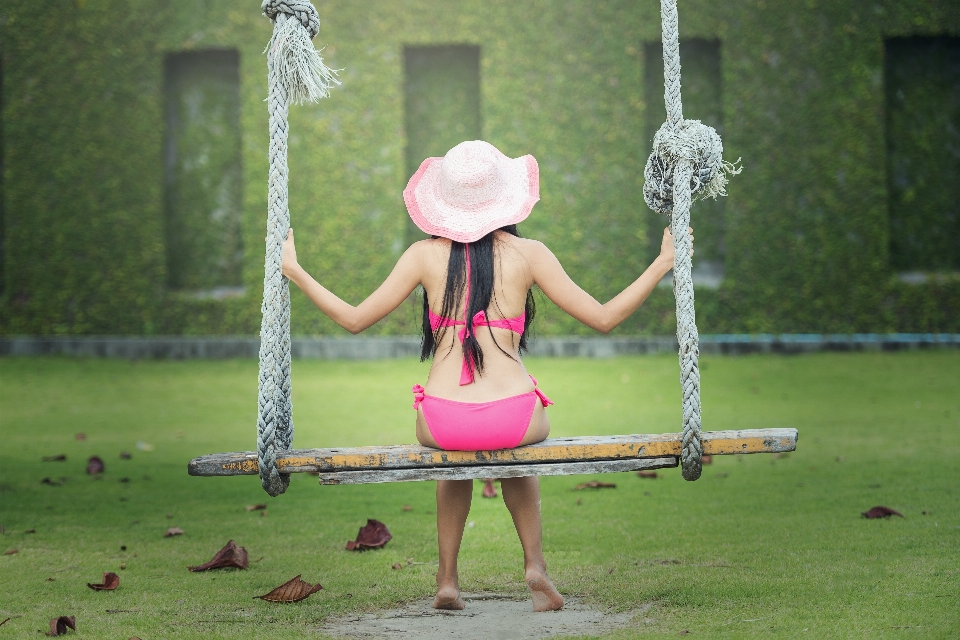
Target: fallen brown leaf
[173,531]
[647,474]
[58,458]
[489,491]
[881,512]
[706,459]
[81,436]
[110,582]
[595,484]
[10,552]
[256,507]
[407,507]
[29,530]
[59,626]
[95,465]
[373,535]
[397,565]
[231,556]
[293,590]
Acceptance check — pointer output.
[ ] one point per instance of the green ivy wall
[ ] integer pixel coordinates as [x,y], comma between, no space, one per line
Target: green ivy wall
[806,229]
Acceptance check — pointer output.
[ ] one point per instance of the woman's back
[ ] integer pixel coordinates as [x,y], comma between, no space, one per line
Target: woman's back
[503,373]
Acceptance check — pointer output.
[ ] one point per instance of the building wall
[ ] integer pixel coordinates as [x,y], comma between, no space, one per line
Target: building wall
[806,230]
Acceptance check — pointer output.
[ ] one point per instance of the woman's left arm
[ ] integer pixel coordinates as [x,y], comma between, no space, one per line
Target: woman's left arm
[404,278]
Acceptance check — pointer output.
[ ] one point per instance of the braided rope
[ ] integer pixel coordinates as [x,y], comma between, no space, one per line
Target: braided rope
[295,73]
[686,165]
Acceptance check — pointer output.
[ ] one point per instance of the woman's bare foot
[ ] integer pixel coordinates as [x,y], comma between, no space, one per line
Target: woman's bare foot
[448,598]
[545,595]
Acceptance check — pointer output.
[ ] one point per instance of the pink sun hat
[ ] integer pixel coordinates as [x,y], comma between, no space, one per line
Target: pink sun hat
[471,191]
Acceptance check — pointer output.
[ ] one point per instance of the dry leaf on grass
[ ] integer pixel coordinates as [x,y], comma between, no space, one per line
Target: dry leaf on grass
[881,512]
[95,465]
[706,459]
[10,552]
[293,590]
[256,507]
[595,484]
[407,507]
[110,582]
[59,626]
[81,436]
[58,458]
[173,531]
[231,556]
[396,566]
[647,474]
[373,535]
[489,491]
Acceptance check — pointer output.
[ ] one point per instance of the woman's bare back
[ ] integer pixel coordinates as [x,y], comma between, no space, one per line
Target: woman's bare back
[503,373]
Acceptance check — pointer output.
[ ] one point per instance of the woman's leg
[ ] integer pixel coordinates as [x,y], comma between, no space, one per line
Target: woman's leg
[522,497]
[453,505]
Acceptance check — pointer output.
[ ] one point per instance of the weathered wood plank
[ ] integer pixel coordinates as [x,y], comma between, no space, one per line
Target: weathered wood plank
[474,472]
[552,450]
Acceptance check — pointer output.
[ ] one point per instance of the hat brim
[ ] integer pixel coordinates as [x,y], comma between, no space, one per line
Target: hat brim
[436,217]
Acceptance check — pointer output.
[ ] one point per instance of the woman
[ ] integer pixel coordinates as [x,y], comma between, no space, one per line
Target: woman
[477,274]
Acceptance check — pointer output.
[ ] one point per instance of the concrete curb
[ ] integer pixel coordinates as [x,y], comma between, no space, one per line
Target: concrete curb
[376,348]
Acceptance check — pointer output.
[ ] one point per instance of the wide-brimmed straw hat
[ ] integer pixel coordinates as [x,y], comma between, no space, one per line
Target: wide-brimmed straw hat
[471,191]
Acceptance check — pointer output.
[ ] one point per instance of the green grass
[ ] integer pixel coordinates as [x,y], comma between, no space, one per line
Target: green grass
[758,547]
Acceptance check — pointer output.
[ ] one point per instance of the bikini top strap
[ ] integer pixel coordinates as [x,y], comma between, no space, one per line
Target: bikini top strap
[466,369]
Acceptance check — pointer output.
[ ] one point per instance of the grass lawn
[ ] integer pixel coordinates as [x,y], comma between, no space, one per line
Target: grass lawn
[758,547]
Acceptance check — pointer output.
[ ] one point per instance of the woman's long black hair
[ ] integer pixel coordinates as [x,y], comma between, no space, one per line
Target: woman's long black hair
[481,292]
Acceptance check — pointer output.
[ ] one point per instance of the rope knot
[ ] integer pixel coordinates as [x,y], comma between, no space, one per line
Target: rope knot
[693,142]
[302,10]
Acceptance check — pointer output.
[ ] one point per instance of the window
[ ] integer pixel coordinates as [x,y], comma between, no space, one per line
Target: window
[923,154]
[702,100]
[202,172]
[442,100]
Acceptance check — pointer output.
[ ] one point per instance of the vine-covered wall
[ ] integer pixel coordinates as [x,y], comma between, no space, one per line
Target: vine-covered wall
[806,232]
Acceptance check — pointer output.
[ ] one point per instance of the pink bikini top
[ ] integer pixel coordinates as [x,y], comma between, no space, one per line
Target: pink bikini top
[479,320]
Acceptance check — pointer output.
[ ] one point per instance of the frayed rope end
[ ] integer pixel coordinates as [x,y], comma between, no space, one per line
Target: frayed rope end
[299,65]
[717,186]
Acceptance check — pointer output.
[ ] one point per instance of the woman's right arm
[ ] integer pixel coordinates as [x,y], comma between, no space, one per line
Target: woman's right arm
[549,275]
[404,278]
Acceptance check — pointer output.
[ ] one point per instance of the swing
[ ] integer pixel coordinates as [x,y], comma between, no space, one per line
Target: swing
[686,164]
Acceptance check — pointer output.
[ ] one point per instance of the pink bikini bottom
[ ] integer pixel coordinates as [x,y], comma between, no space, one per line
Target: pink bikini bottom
[478,426]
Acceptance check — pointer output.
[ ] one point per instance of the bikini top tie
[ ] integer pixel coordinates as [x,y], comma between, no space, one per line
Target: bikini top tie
[479,320]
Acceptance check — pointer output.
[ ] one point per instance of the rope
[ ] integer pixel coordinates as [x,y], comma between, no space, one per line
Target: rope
[686,165]
[295,73]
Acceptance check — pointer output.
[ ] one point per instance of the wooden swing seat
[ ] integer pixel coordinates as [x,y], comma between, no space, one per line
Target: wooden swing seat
[554,456]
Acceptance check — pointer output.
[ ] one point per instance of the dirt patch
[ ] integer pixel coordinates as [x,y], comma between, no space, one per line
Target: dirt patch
[487,617]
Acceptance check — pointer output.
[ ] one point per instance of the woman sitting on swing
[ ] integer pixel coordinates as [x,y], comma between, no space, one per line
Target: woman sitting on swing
[477,274]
